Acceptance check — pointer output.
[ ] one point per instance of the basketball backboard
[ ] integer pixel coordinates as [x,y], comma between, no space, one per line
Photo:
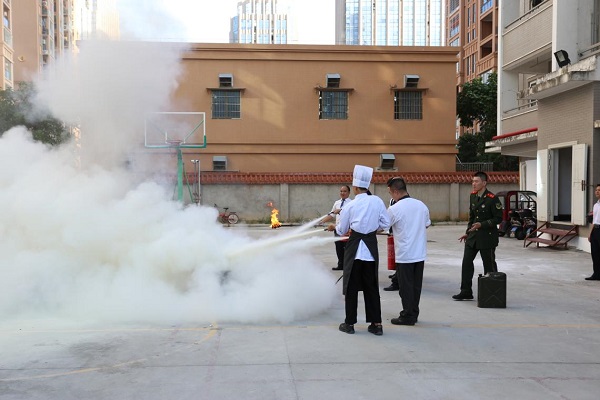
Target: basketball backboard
[175,129]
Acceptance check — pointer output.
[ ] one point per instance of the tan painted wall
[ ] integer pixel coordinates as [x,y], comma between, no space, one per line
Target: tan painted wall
[280,131]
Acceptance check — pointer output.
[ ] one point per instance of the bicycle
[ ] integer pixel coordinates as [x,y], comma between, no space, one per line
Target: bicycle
[227,217]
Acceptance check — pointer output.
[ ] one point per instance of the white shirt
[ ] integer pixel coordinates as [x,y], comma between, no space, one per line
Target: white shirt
[338,206]
[596,211]
[365,214]
[409,219]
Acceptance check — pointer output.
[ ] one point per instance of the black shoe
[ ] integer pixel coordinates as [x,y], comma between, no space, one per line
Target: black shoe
[337,269]
[391,288]
[463,296]
[391,276]
[403,315]
[375,329]
[344,327]
[403,321]
[592,278]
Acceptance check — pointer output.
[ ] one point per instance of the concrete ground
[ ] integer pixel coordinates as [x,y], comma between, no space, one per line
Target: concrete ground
[544,345]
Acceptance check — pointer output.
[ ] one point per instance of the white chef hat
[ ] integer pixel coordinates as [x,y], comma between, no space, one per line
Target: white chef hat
[362,176]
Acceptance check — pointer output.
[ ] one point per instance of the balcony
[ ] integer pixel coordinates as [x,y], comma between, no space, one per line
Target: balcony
[522,117]
[7,2]
[487,5]
[536,26]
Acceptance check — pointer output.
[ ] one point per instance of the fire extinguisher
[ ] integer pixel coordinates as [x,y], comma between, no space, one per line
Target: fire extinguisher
[391,253]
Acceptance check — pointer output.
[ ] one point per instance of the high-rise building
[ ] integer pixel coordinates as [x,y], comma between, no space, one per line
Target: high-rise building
[6,40]
[42,30]
[389,22]
[260,22]
[96,19]
[473,28]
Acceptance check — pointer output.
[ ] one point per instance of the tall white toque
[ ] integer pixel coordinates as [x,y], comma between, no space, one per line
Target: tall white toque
[362,176]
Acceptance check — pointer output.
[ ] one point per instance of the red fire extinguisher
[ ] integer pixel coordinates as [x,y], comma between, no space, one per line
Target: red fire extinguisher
[391,253]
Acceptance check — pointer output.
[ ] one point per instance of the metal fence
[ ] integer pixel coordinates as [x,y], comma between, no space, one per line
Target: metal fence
[475,166]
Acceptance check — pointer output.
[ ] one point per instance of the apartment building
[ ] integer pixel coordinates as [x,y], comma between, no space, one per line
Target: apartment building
[389,22]
[6,39]
[472,26]
[549,104]
[259,22]
[301,108]
[42,30]
[96,19]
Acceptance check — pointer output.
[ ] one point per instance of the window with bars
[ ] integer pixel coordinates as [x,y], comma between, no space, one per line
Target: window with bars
[333,104]
[226,104]
[408,105]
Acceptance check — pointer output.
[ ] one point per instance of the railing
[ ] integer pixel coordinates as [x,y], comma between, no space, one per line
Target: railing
[528,14]
[532,103]
[487,5]
[474,166]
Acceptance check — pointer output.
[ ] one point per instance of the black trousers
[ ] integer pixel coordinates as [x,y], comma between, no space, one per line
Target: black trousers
[410,279]
[595,244]
[363,278]
[488,256]
[340,245]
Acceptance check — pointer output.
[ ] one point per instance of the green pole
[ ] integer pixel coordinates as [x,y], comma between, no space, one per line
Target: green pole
[179,175]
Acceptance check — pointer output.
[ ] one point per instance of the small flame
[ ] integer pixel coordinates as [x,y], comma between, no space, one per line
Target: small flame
[274,221]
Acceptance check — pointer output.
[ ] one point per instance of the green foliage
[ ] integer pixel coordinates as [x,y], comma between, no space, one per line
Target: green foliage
[16,110]
[476,102]
[476,106]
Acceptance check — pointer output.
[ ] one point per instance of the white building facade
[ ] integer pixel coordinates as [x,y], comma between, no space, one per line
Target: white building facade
[549,104]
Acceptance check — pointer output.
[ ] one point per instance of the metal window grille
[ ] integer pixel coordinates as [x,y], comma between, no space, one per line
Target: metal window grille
[408,105]
[333,105]
[226,104]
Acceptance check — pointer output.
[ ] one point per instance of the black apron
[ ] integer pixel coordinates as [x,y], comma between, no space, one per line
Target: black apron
[370,240]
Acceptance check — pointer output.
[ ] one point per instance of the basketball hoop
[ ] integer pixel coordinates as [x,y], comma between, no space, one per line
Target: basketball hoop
[174,142]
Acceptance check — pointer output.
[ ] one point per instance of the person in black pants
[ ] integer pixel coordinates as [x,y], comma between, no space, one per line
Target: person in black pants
[363,218]
[340,245]
[594,237]
[485,213]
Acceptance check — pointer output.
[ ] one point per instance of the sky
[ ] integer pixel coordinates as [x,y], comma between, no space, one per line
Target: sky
[205,21]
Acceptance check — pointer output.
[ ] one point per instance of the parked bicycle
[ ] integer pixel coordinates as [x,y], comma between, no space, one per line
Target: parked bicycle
[227,217]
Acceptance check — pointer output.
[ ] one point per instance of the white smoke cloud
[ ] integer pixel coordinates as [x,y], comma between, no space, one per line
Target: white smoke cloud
[80,244]
[86,241]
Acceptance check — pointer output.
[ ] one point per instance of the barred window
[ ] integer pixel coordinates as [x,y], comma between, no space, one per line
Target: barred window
[333,104]
[226,104]
[408,105]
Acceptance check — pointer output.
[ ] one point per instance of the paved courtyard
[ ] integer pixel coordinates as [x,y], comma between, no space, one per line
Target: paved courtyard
[544,345]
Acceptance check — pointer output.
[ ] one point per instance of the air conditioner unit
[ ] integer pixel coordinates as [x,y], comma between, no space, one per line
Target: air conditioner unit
[219,163]
[387,162]
[333,80]
[225,80]
[411,81]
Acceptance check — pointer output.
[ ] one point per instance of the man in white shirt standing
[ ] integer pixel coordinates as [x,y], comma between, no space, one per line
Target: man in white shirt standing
[409,219]
[594,237]
[364,216]
[335,214]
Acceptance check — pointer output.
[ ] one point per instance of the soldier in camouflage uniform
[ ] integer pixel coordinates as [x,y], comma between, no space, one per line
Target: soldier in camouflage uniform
[485,213]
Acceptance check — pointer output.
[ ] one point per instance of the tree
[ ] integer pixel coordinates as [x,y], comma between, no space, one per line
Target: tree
[17,105]
[476,107]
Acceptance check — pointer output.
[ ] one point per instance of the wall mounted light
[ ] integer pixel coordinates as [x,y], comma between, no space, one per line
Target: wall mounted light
[562,58]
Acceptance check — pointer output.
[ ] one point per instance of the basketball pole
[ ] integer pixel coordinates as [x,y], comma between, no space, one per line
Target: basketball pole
[176,142]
